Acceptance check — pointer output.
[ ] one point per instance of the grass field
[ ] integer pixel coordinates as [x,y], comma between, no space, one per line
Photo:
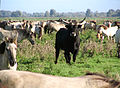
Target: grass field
[93,55]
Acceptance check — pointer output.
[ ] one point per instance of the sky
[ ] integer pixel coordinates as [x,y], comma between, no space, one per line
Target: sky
[31,6]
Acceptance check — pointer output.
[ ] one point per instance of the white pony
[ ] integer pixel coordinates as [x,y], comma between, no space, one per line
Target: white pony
[110,32]
[8,54]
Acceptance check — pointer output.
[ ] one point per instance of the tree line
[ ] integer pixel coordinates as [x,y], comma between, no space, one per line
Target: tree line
[53,13]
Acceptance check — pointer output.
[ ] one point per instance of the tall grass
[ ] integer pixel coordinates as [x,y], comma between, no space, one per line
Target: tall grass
[93,55]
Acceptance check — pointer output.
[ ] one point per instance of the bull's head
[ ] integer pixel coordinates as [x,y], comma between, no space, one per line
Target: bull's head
[73,29]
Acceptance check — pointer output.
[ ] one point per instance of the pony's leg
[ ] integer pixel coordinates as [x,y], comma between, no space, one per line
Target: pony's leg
[40,34]
[114,40]
[108,37]
[102,38]
[111,38]
[35,35]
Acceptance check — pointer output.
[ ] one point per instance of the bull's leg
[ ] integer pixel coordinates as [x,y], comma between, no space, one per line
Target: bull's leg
[74,55]
[57,54]
[67,57]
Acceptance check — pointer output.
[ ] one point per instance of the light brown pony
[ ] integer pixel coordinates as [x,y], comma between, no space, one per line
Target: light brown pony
[23,79]
[8,54]
[22,34]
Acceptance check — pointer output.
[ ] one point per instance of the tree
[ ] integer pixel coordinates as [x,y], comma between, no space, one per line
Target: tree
[36,14]
[52,13]
[118,13]
[47,14]
[96,14]
[5,13]
[110,13]
[88,13]
[16,14]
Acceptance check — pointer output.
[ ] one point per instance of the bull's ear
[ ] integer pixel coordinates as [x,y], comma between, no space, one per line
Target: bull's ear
[79,26]
[68,25]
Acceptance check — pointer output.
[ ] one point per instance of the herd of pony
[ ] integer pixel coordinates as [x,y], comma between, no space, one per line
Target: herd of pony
[67,39]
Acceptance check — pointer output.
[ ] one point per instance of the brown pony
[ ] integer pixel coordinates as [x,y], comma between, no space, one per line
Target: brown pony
[22,34]
[23,79]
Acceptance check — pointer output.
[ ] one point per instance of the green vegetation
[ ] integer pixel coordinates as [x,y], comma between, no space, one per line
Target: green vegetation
[93,56]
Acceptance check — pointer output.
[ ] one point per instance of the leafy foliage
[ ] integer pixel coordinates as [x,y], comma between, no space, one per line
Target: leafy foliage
[93,56]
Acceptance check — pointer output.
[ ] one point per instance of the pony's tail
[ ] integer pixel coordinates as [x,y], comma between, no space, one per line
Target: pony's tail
[113,83]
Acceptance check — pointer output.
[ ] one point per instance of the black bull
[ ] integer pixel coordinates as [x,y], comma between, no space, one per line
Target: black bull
[68,40]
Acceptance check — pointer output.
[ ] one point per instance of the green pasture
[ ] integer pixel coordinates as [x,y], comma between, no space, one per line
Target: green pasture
[93,56]
[56,18]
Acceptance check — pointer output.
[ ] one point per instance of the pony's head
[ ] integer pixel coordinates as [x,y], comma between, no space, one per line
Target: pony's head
[29,36]
[10,50]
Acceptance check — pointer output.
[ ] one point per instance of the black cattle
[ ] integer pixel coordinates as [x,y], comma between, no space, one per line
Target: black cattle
[68,40]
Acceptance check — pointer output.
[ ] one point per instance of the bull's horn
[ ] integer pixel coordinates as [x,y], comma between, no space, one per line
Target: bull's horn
[82,20]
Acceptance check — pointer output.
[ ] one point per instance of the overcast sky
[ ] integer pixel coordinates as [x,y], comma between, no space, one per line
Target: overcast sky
[31,6]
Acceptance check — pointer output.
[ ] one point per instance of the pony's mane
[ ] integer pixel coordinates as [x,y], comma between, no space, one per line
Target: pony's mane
[2,47]
[93,21]
[112,82]
[24,31]
[105,27]
[89,73]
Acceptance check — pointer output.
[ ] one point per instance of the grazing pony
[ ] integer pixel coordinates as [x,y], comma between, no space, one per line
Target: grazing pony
[108,23]
[90,25]
[110,32]
[22,34]
[35,30]
[68,40]
[116,23]
[24,79]
[8,54]
[53,26]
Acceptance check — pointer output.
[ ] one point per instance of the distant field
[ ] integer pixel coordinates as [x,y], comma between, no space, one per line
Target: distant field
[93,56]
[54,18]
